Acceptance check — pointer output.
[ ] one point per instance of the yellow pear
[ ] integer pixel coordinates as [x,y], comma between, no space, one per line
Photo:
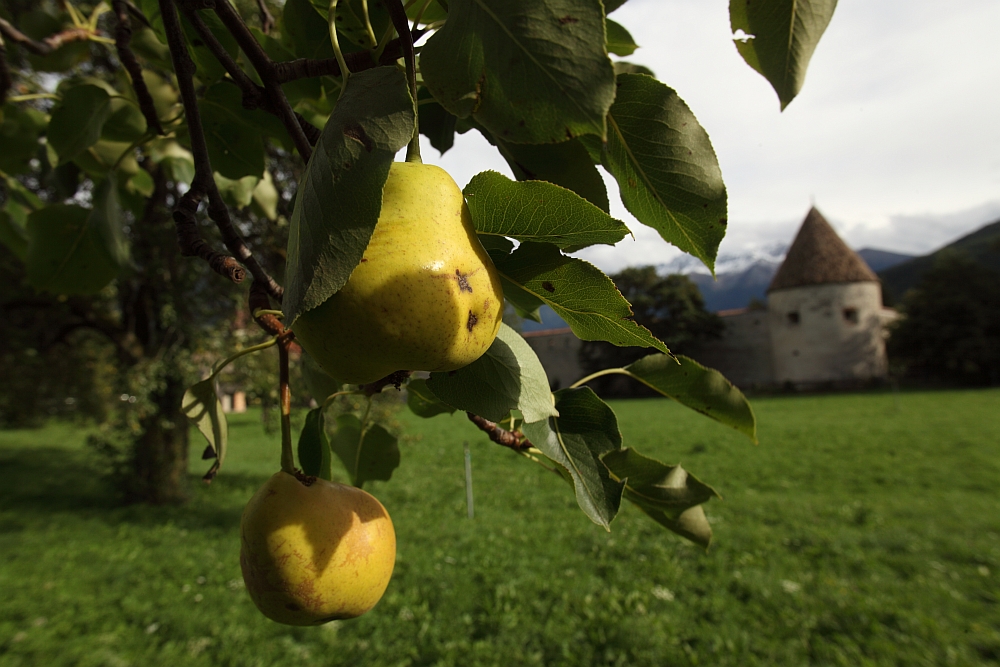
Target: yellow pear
[314,551]
[425,297]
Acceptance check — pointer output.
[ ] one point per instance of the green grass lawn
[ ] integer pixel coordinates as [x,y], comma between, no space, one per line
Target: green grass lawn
[859,532]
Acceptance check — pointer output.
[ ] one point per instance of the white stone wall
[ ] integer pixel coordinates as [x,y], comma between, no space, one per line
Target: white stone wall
[827,333]
[743,354]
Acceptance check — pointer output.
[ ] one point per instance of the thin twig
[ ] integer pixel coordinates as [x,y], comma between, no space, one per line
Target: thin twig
[204,182]
[500,435]
[45,46]
[266,19]
[307,68]
[123,36]
[396,379]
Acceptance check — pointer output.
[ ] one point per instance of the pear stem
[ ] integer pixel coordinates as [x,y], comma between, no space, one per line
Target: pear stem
[402,25]
[285,396]
[335,42]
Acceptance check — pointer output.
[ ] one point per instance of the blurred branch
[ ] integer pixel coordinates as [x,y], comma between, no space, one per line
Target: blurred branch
[45,46]
[123,36]
[266,19]
[204,183]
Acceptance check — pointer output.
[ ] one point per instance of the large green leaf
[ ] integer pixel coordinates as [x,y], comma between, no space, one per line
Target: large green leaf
[126,122]
[19,130]
[702,389]
[781,37]
[567,164]
[304,32]
[319,383]
[74,250]
[530,71]
[369,455]
[538,211]
[314,446]
[340,194]
[437,124]
[585,430]
[422,401]
[77,120]
[656,486]
[667,172]
[13,234]
[235,147]
[508,377]
[202,407]
[579,293]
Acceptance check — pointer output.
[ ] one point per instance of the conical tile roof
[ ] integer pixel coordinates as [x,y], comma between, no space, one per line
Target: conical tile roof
[818,256]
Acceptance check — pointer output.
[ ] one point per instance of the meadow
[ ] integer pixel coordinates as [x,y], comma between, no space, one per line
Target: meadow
[864,529]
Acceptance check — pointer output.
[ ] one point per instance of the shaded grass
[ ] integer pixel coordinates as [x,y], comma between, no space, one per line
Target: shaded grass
[858,533]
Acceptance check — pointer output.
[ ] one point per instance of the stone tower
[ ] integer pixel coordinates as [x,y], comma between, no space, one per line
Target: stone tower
[825,311]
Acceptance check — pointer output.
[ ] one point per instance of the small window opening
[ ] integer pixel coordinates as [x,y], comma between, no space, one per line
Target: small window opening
[851,315]
[793,317]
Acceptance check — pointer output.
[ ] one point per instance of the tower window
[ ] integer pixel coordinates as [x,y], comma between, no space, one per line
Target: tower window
[851,315]
[793,317]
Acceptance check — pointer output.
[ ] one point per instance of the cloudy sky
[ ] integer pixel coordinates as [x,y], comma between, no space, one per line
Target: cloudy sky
[895,136]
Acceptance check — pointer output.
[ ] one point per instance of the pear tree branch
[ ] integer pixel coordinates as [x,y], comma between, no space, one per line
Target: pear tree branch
[123,37]
[500,435]
[203,185]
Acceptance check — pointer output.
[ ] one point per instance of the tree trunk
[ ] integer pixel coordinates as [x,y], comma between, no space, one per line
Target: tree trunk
[160,453]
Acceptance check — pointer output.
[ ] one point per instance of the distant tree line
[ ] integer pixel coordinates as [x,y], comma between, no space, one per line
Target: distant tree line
[950,329]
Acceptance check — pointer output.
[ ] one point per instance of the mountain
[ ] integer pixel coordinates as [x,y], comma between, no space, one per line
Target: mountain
[880,260]
[982,245]
[736,288]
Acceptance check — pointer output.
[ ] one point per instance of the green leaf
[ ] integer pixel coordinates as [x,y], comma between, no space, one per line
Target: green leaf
[704,390]
[142,183]
[77,120]
[19,131]
[340,194]
[314,446]
[530,71]
[74,250]
[656,486]
[126,122]
[623,67]
[236,193]
[319,383]
[691,524]
[579,293]
[435,12]
[782,37]
[367,456]
[620,42]
[538,211]
[13,234]
[585,430]
[209,69]
[201,405]
[667,172]
[266,197]
[235,148]
[567,164]
[422,401]
[508,377]
[351,19]
[435,122]
[304,32]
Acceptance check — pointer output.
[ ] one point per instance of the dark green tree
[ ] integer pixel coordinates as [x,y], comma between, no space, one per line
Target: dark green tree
[671,307]
[950,329]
